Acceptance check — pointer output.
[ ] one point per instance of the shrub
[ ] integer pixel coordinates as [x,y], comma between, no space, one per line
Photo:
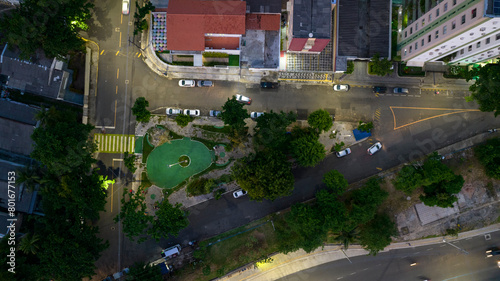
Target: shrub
[215,55]
[365,127]
[183,120]
[198,186]
[129,161]
[350,67]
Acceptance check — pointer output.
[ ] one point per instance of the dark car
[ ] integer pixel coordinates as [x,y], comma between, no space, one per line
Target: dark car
[492,252]
[379,89]
[269,85]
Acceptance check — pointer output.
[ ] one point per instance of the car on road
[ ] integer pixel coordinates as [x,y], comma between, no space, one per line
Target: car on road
[243,99]
[374,148]
[239,193]
[401,90]
[343,153]
[173,111]
[269,85]
[492,252]
[187,83]
[215,113]
[255,115]
[125,7]
[379,89]
[205,83]
[192,112]
[341,87]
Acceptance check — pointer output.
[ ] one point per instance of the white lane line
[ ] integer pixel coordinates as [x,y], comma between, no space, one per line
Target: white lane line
[429,249]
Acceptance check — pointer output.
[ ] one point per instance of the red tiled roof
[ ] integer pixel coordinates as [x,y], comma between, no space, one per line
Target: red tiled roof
[263,21]
[229,43]
[189,20]
[319,45]
[297,44]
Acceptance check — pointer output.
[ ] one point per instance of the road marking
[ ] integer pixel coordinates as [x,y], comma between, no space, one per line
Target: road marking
[378,168]
[114,143]
[102,52]
[116,101]
[427,108]
[117,52]
[127,81]
[120,42]
[116,93]
[117,73]
[352,273]
[340,278]
[121,19]
[429,249]
[139,55]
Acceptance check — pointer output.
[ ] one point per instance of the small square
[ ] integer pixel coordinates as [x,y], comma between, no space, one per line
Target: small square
[487,237]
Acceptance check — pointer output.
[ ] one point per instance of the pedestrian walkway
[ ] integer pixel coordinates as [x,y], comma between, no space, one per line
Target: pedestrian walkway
[114,143]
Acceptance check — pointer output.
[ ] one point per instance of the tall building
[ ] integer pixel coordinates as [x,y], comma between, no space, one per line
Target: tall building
[454,31]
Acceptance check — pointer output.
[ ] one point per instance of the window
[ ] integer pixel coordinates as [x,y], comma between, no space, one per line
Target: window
[478,44]
[416,26]
[423,41]
[453,24]
[462,51]
[430,17]
[411,30]
[406,34]
[429,38]
[423,22]
[405,52]
[437,34]
[437,13]
[454,2]
[487,41]
[445,29]
[474,11]
[470,48]
[497,36]
[416,46]
[445,7]
[463,19]
[410,49]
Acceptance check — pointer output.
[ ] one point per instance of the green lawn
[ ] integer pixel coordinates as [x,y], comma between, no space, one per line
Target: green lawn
[234,60]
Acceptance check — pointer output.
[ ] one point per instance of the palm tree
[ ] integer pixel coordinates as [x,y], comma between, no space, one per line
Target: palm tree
[28,243]
[31,176]
[347,237]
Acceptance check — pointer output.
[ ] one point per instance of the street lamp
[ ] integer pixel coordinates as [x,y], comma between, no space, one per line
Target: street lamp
[462,250]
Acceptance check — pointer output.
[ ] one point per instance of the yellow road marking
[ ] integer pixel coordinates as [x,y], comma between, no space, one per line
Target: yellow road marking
[139,55]
[428,118]
[120,42]
[378,168]
[102,52]
[121,19]
[117,73]
[116,93]
[290,79]
[117,52]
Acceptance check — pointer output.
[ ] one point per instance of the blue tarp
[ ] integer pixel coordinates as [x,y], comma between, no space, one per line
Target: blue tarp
[360,135]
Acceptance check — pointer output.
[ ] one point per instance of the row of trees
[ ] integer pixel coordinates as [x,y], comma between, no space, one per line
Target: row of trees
[62,244]
[347,217]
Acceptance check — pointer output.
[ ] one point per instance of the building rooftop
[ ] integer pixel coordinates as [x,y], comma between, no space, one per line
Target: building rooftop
[364,29]
[264,6]
[24,198]
[493,8]
[312,16]
[18,111]
[16,136]
[263,21]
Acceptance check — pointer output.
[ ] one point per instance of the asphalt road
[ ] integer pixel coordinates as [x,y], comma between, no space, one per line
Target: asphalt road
[122,77]
[438,262]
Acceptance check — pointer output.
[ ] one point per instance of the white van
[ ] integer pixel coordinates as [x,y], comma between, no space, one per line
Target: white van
[171,252]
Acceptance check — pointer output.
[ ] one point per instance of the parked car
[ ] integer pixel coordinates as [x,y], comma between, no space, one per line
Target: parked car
[343,153]
[173,111]
[255,115]
[492,252]
[401,90]
[243,99]
[379,89]
[192,112]
[239,193]
[341,87]
[125,7]
[215,113]
[171,252]
[374,148]
[205,83]
[187,83]
[269,85]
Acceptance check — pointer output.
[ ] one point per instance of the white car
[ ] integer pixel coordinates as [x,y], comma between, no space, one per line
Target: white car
[173,111]
[341,87]
[239,193]
[374,148]
[255,115]
[343,153]
[215,113]
[243,99]
[192,112]
[125,7]
[187,83]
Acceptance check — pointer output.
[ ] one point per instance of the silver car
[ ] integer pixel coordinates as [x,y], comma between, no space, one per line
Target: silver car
[374,148]
[192,112]
[401,90]
[215,113]
[205,83]
[343,153]
[239,193]
[173,111]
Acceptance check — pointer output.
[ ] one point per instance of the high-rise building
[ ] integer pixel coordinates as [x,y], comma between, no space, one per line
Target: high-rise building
[454,31]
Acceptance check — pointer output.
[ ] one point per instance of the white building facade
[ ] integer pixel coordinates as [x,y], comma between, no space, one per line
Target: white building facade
[455,31]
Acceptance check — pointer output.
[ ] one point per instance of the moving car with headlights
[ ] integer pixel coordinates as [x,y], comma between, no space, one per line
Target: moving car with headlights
[192,112]
[374,148]
[187,83]
[243,99]
[492,252]
[269,85]
[379,89]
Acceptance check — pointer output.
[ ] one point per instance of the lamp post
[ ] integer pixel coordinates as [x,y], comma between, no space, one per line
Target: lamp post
[462,250]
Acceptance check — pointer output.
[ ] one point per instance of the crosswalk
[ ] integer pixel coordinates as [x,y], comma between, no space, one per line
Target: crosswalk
[114,143]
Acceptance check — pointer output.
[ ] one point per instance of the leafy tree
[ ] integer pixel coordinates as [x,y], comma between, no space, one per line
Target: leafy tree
[338,146]
[335,182]
[233,114]
[365,127]
[144,272]
[350,67]
[333,211]
[489,156]
[441,194]
[270,130]
[133,214]
[31,176]
[408,179]
[308,223]
[267,176]
[307,149]
[140,111]
[183,120]
[197,187]
[486,88]
[29,243]
[62,144]
[365,202]
[129,161]
[140,23]
[381,67]
[347,237]
[52,25]
[169,221]
[376,235]
[320,120]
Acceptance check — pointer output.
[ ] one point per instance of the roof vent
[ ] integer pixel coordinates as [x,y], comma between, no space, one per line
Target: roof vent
[311,35]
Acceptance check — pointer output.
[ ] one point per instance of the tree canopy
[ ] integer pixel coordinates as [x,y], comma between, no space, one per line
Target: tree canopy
[489,156]
[486,88]
[140,22]
[335,182]
[365,201]
[320,120]
[380,67]
[141,271]
[233,114]
[52,25]
[270,130]
[376,235]
[267,175]
[306,148]
[140,111]
[169,221]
